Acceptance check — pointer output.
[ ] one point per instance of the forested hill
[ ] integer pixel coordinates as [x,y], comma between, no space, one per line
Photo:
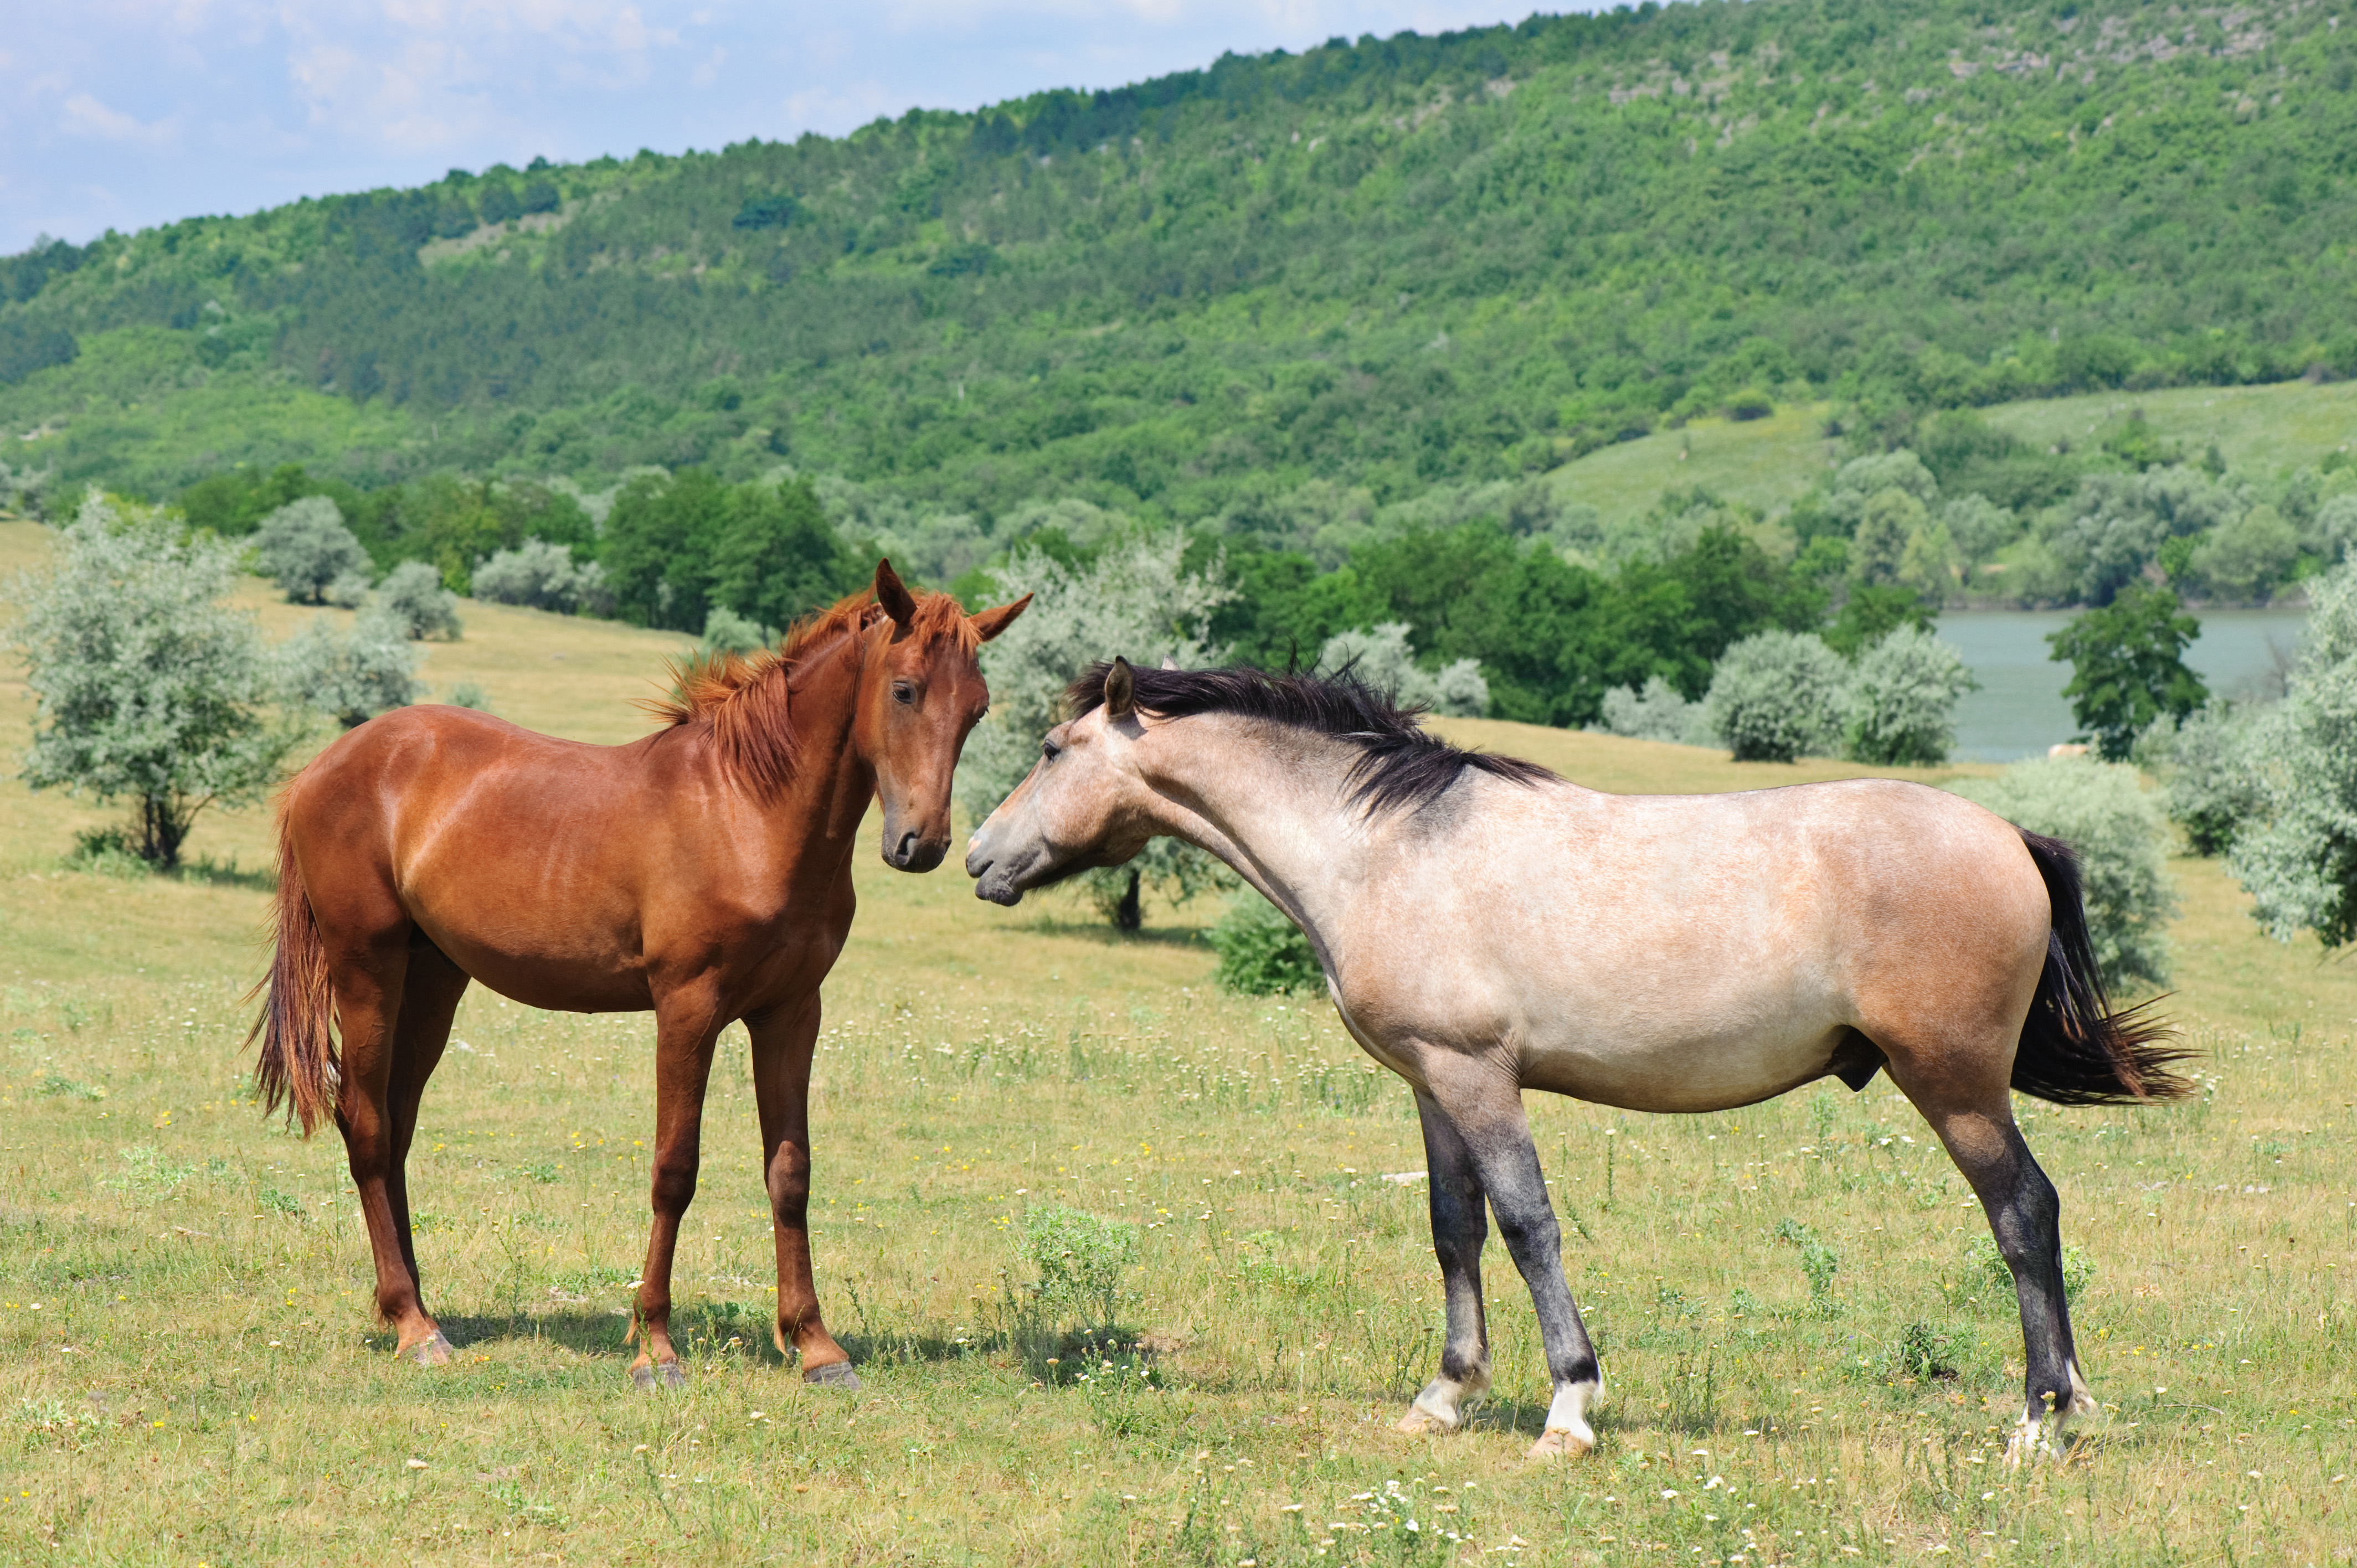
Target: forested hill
[1396,261]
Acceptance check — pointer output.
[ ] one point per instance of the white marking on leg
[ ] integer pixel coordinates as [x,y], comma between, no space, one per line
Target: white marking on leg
[1568,1432]
[1441,1406]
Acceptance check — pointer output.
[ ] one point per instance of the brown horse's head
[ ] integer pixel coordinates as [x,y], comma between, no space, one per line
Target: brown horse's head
[920,693]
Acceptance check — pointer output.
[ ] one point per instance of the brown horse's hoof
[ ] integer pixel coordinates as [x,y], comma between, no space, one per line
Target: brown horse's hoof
[833,1375]
[434,1351]
[655,1376]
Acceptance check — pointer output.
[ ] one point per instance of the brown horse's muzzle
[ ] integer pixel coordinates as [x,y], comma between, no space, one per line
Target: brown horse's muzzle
[910,848]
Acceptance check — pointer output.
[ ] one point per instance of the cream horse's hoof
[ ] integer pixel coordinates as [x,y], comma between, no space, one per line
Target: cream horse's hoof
[1421,1423]
[1560,1443]
[434,1351]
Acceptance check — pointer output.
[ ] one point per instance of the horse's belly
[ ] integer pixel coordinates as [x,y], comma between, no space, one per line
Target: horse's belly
[1680,1071]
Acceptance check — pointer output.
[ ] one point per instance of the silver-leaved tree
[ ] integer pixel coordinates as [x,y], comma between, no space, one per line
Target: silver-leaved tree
[149,687]
[1136,599]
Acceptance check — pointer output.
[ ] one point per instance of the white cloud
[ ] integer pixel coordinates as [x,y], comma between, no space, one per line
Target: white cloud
[86,117]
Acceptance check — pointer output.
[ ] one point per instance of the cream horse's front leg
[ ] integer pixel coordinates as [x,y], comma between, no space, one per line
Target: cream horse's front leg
[1478,1144]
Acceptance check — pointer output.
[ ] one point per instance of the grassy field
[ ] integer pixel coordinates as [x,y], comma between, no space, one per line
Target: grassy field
[191,1376]
[1771,462]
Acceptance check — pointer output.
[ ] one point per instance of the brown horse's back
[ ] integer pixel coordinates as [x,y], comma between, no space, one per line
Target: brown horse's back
[527,859]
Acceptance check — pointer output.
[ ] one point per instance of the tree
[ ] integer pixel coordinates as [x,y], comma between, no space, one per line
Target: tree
[2299,858]
[1655,711]
[2211,784]
[1137,599]
[413,597]
[775,558]
[2126,666]
[1900,707]
[306,546]
[148,687]
[354,674]
[2101,810]
[1777,697]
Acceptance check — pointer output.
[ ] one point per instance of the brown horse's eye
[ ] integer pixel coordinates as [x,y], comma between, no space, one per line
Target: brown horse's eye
[903,693]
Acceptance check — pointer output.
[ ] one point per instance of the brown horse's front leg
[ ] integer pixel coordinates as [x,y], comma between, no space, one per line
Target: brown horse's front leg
[783,1042]
[684,1034]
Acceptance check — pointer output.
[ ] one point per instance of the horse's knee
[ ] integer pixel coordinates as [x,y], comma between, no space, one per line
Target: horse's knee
[788,1180]
[675,1185]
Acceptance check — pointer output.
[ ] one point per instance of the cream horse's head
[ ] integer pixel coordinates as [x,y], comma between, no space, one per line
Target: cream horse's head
[1084,803]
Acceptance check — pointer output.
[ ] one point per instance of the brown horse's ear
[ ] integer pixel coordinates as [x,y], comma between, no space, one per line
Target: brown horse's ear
[1120,689]
[988,624]
[894,596]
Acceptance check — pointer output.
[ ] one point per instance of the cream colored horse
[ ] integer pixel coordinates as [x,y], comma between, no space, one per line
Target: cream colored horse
[1486,927]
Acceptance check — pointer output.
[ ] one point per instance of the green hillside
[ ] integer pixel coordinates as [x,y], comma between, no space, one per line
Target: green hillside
[1392,263]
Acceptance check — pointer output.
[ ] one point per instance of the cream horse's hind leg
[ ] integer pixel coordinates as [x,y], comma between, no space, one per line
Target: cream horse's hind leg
[1477,1137]
[2024,1216]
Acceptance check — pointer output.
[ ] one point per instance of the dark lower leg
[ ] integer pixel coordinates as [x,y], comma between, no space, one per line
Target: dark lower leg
[1459,1230]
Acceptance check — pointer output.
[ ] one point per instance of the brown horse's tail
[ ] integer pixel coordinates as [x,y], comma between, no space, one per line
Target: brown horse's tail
[2074,1049]
[296,1065]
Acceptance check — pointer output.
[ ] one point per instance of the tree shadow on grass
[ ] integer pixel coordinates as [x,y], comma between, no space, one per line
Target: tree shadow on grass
[1102,934]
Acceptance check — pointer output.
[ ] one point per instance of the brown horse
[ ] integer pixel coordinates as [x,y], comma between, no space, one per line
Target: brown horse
[703,871]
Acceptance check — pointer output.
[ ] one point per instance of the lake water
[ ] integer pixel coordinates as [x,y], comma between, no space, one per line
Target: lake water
[2019,710]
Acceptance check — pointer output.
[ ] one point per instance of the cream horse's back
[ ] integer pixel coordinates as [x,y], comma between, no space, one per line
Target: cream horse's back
[1678,953]
[1487,928]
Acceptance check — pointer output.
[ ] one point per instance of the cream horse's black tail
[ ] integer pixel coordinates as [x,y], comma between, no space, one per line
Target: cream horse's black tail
[2074,1049]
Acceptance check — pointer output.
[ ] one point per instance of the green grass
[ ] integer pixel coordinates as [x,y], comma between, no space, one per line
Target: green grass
[191,1374]
[1765,463]
[2262,430]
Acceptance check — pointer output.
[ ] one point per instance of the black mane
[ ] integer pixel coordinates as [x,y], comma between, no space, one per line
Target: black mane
[1400,766]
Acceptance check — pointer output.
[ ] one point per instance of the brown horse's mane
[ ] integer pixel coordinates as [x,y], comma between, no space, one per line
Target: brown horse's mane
[743,703]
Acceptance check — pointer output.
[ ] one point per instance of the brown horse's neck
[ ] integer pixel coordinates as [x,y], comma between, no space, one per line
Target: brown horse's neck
[812,822]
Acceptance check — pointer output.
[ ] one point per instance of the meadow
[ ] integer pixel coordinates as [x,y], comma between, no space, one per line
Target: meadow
[1806,1356]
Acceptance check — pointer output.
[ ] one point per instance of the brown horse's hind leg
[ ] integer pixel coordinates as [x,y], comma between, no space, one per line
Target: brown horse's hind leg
[782,1042]
[2024,1216]
[368,985]
[684,1033]
[429,999]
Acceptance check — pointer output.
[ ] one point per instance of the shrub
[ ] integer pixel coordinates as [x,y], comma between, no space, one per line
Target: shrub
[352,675]
[2099,809]
[1079,1260]
[1776,697]
[1902,701]
[412,594]
[2211,783]
[1384,660]
[2299,856]
[306,546]
[726,631]
[1657,712]
[470,694]
[542,576]
[148,687]
[1263,952]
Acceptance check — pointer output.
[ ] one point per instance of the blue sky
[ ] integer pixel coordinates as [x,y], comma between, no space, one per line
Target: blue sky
[121,114]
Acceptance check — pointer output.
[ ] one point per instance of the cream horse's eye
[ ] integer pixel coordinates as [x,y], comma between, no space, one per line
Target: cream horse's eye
[1048,750]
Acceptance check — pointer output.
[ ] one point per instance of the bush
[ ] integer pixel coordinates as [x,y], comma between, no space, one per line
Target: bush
[306,546]
[1079,1260]
[1263,952]
[2299,856]
[148,687]
[413,597]
[352,675]
[2100,810]
[1384,660]
[1657,712]
[1776,697]
[2211,783]
[470,694]
[543,576]
[726,631]
[1901,704]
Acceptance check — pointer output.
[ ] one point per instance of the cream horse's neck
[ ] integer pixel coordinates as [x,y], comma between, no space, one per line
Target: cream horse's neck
[1272,802]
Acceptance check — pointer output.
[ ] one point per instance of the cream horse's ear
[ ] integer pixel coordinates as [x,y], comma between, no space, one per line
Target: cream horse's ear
[1169,662]
[1120,689]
